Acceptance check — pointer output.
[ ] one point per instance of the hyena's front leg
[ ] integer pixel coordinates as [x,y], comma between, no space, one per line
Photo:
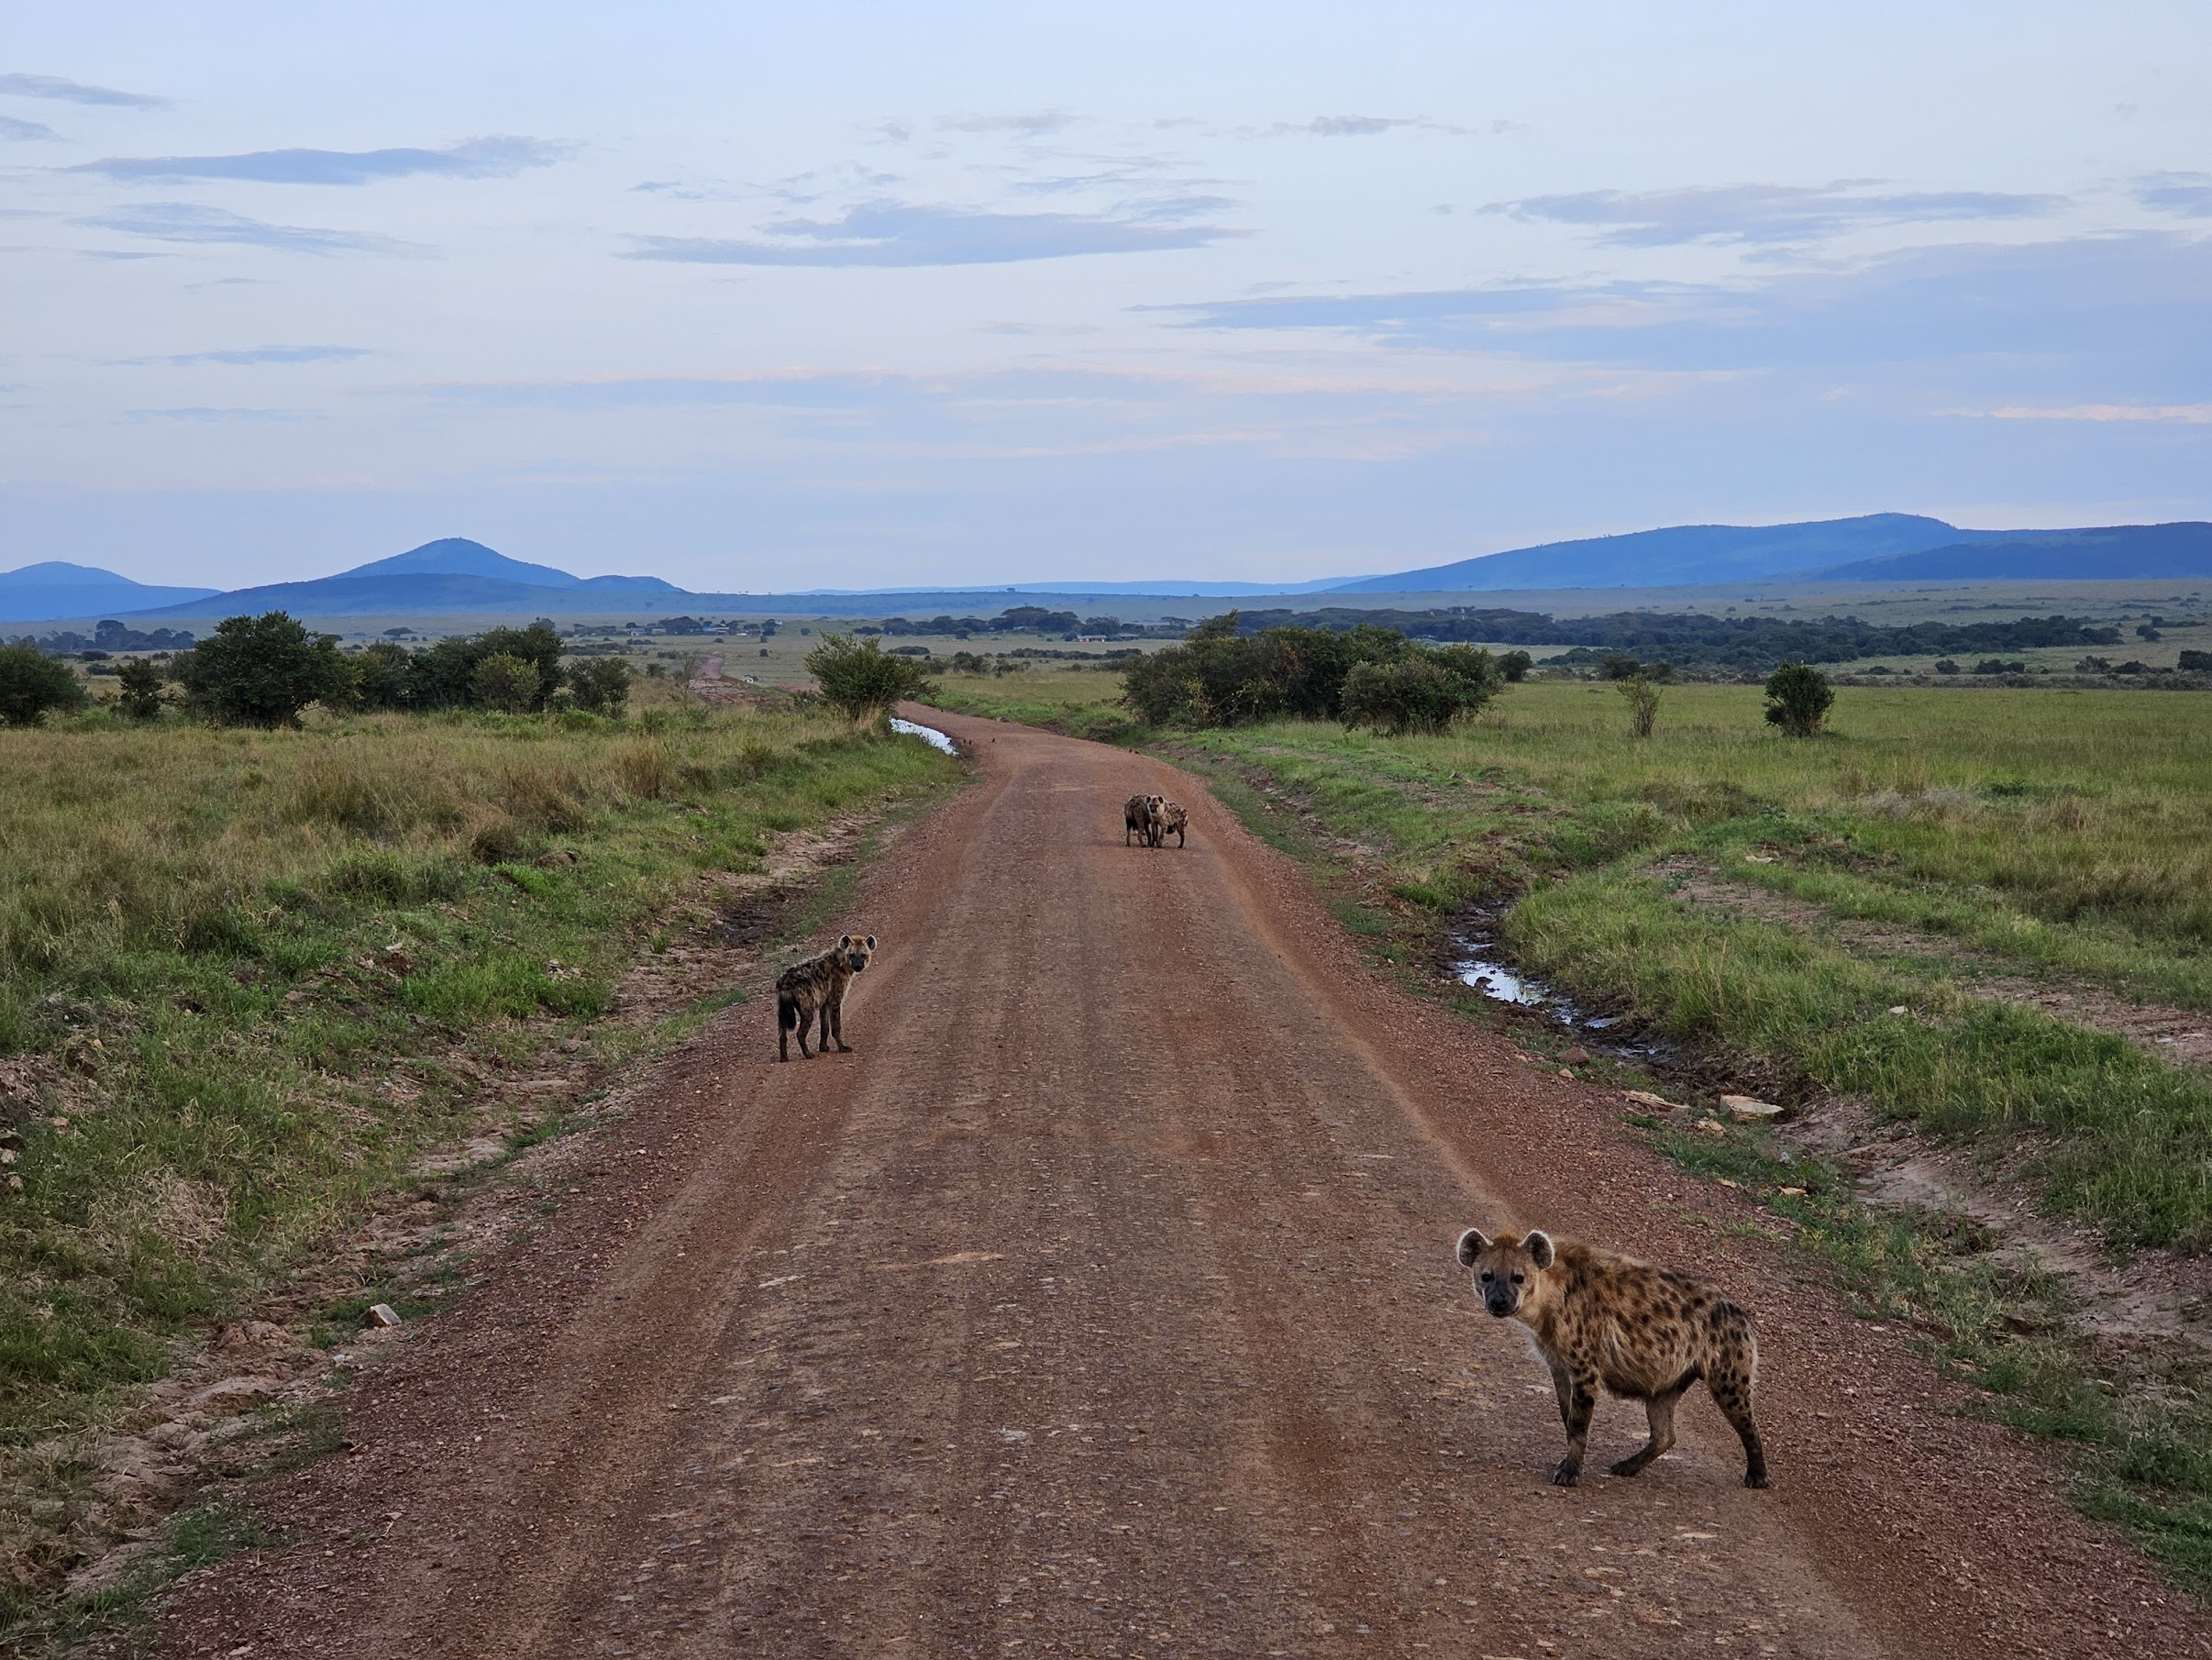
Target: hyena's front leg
[1578,1400]
[836,1027]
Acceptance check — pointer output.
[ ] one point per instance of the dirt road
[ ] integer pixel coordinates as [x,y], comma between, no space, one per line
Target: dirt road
[1102,1303]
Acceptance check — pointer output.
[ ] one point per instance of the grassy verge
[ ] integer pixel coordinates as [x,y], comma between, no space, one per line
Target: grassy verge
[2055,833]
[246,978]
[1078,702]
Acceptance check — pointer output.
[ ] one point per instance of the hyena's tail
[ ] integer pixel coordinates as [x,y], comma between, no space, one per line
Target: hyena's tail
[787,1010]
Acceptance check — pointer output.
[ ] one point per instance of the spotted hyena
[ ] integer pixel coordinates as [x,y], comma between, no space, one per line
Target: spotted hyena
[1645,1334]
[816,988]
[1174,821]
[1140,817]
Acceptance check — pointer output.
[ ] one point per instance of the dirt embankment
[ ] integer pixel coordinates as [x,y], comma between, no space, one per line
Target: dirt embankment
[1102,1303]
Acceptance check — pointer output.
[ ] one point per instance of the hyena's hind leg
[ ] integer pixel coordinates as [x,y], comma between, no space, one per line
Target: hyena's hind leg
[1731,1375]
[1660,1412]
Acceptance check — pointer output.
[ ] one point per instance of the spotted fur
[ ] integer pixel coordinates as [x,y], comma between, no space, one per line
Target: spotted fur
[1644,1334]
[1174,821]
[815,989]
[1141,818]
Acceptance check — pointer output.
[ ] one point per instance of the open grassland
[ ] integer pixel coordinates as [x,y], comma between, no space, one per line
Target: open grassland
[1825,917]
[1077,701]
[246,979]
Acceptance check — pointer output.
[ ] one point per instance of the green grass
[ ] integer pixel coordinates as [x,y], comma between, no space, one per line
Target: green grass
[240,973]
[1079,701]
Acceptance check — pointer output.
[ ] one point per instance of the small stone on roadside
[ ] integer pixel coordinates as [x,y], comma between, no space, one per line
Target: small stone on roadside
[1567,1071]
[1750,1109]
[1792,1192]
[1899,1009]
[1710,1126]
[380,1313]
[1645,1097]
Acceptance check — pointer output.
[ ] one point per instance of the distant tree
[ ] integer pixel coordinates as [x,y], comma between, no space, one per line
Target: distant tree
[1945,666]
[767,629]
[2148,631]
[142,681]
[2094,665]
[1641,692]
[1515,666]
[600,685]
[32,684]
[508,683]
[1798,699]
[1619,666]
[383,673]
[2196,662]
[262,670]
[861,680]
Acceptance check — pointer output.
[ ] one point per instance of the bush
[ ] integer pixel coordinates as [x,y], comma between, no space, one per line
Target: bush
[444,676]
[861,680]
[1515,666]
[1798,699]
[383,676]
[31,683]
[1998,665]
[1945,666]
[1643,695]
[141,695]
[1619,666]
[1420,692]
[507,683]
[262,670]
[2195,662]
[600,685]
[1218,676]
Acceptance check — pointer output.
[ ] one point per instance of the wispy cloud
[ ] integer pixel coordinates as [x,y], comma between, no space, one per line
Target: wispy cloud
[247,355]
[74,92]
[893,234]
[1030,124]
[2187,415]
[189,222]
[2188,193]
[498,157]
[203,415]
[13,131]
[1764,213]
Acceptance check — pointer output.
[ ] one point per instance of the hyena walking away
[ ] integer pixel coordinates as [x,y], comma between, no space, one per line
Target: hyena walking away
[815,989]
[1645,1334]
[1140,817]
[1173,821]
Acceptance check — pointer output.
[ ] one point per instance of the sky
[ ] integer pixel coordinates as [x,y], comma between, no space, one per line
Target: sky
[759,297]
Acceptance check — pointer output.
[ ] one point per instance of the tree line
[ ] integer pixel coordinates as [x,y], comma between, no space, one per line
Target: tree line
[264,670]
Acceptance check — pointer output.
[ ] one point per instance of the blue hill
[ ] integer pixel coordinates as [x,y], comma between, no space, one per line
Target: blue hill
[2112,553]
[54,589]
[1679,554]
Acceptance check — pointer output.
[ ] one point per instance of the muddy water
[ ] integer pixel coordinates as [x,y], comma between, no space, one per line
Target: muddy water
[1477,961]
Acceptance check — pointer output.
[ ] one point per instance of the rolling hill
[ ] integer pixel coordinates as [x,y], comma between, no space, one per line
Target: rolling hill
[2113,553]
[53,589]
[453,574]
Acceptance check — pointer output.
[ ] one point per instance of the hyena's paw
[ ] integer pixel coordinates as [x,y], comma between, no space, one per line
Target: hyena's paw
[1567,1474]
[1757,1479]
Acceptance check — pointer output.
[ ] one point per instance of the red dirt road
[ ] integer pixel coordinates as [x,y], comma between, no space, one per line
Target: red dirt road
[1102,1304]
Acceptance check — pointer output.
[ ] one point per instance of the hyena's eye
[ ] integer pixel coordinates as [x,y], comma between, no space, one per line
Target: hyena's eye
[1520,1278]
[1487,1276]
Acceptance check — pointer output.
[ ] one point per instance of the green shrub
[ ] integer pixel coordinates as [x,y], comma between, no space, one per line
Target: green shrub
[141,680]
[1424,692]
[1798,699]
[505,682]
[600,685]
[861,680]
[31,683]
[262,670]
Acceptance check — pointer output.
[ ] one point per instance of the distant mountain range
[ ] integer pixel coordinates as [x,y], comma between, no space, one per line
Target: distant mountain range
[456,576]
[55,589]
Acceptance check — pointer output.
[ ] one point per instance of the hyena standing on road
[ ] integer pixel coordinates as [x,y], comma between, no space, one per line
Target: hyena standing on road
[1173,821]
[1141,816]
[1645,1334]
[816,988]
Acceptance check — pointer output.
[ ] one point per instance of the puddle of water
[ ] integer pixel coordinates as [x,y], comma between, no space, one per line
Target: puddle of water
[1475,962]
[928,734]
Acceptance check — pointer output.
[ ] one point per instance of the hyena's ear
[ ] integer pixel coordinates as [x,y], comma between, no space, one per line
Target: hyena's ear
[1471,1245]
[871,942]
[844,942]
[1538,1244]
